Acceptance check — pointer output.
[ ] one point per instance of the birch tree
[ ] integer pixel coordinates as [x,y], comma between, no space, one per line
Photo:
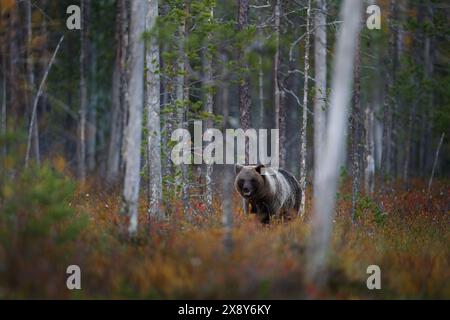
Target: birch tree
[320,69]
[328,168]
[304,127]
[208,82]
[133,132]
[153,116]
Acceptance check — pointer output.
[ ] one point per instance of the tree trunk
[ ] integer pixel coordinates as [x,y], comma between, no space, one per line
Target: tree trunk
[134,127]
[30,80]
[208,86]
[303,169]
[320,68]
[83,92]
[328,168]
[117,98]
[369,172]
[386,155]
[153,117]
[244,83]
[356,129]
[91,125]
[15,103]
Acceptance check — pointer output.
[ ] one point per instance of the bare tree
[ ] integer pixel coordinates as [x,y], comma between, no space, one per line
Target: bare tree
[356,129]
[386,155]
[304,127]
[328,168]
[244,83]
[83,93]
[118,98]
[320,69]
[208,83]
[153,117]
[30,79]
[136,103]
[369,171]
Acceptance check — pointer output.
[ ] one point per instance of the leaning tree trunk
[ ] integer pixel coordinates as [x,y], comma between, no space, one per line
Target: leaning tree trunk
[117,98]
[328,168]
[244,83]
[134,126]
[153,118]
[320,68]
[303,169]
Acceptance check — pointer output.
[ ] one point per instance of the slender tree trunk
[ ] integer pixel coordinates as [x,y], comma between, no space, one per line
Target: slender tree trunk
[276,66]
[369,172]
[244,83]
[91,128]
[36,99]
[208,86]
[3,110]
[136,103]
[435,162]
[30,80]
[15,96]
[386,155]
[320,68]
[303,169]
[83,92]
[328,169]
[117,98]
[153,117]
[261,92]
[356,129]
[182,93]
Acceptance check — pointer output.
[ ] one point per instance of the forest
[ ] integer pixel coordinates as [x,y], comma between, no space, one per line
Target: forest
[133,134]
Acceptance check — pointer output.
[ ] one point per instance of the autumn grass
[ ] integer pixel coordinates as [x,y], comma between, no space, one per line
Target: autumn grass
[408,237]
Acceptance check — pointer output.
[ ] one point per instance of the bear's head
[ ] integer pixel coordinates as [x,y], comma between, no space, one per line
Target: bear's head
[249,181]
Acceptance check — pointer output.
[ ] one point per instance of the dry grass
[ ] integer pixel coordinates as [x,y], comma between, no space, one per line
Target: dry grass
[409,239]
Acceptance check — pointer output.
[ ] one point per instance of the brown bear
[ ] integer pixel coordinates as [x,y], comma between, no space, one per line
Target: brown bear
[268,193]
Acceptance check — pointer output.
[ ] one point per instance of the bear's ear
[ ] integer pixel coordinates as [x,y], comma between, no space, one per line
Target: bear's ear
[238,168]
[259,167]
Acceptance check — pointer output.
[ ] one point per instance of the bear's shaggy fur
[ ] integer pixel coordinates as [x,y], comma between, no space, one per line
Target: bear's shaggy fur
[267,194]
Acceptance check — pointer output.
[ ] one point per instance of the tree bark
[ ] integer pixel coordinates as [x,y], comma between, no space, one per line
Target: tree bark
[134,127]
[30,80]
[328,169]
[117,98]
[356,129]
[83,93]
[320,68]
[304,127]
[369,172]
[153,117]
[386,155]
[208,86]
[244,83]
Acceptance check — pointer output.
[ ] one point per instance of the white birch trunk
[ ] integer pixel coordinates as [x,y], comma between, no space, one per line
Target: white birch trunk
[208,83]
[328,170]
[369,171]
[320,68]
[153,117]
[303,169]
[134,128]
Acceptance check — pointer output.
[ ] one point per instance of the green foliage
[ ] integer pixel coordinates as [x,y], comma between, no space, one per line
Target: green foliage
[36,207]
